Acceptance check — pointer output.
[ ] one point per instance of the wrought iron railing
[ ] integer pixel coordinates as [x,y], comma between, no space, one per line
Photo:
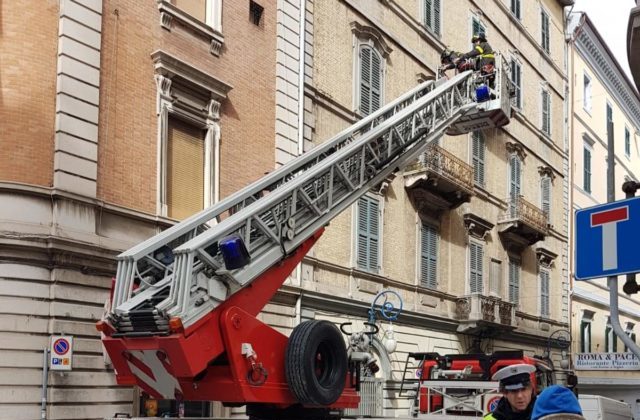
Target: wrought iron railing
[478,307]
[447,165]
[522,210]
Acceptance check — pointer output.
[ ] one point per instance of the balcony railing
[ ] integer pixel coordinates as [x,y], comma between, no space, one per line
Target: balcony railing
[447,165]
[476,307]
[521,210]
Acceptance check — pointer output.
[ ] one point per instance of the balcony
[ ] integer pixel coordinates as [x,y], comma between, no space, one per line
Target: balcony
[485,314]
[438,181]
[522,225]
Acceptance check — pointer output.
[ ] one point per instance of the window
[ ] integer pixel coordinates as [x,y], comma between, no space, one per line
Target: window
[627,142]
[515,171]
[587,94]
[370,79]
[585,336]
[515,8]
[476,255]
[545,311]
[477,27]
[516,80]
[609,114]
[432,14]
[207,11]
[610,338]
[255,12]
[185,170]
[188,173]
[544,29]
[368,225]
[586,185]
[429,257]
[546,112]
[496,278]
[477,153]
[514,281]
[545,195]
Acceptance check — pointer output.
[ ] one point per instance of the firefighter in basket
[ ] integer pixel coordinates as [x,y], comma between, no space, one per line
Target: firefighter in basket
[450,59]
[518,400]
[484,56]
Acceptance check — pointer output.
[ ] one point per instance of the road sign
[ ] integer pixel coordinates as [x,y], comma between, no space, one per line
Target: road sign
[606,239]
[61,352]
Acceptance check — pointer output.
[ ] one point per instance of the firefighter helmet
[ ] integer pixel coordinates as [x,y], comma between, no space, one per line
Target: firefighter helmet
[480,36]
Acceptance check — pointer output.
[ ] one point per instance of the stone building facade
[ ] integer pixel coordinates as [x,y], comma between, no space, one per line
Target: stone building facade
[602,93]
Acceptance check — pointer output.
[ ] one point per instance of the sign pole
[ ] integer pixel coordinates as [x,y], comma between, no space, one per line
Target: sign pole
[612,281]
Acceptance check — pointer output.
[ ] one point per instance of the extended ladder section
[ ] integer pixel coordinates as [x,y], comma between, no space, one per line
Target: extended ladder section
[181,272]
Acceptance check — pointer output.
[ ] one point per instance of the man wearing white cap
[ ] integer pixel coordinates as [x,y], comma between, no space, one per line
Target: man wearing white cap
[515,384]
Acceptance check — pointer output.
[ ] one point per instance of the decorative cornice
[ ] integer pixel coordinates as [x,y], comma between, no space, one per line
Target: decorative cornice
[171,67]
[369,32]
[546,170]
[545,256]
[476,226]
[513,147]
[597,54]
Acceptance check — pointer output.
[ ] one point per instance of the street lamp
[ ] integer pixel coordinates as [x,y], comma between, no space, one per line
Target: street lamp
[559,339]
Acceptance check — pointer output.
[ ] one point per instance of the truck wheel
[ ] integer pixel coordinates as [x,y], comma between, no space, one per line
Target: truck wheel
[316,363]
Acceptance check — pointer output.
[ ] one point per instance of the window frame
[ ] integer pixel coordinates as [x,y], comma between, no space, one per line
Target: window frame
[545,31]
[434,27]
[356,258]
[361,45]
[546,198]
[495,277]
[586,169]
[514,157]
[516,9]
[476,21]
[432,259]
[587,93]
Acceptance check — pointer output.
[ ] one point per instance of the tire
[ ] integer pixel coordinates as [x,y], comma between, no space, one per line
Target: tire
[316,363]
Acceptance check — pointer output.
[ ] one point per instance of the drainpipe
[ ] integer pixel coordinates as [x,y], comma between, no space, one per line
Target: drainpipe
[45,383]
[301,57]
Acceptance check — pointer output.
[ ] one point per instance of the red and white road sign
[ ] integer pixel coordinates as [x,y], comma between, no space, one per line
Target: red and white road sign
[609,219]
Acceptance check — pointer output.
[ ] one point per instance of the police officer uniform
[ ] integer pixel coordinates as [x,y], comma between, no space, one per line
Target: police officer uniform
[512,378]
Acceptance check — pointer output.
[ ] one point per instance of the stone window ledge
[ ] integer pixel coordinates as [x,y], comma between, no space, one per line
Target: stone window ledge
[169,12]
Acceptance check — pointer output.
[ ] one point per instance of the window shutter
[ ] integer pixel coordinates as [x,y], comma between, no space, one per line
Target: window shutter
[429,257]
[515,172]
[365,80]
[476,26]
[428,14]
[545,187]
[436,16]
[544,19]
[587,170]
[627,142]
[583,343]
[516,80]
[475,268]
[514,282]
[496,277]
[546,122]
[515,8]
[544,294]
[368,234]
[376,81]
[185,169]
[607,333]
[478,157]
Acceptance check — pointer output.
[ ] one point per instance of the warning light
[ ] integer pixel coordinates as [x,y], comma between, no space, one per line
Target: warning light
[234,252]
[175,324]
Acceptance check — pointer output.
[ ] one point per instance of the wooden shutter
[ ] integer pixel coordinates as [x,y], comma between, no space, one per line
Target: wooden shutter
[516,80]
[436,17]
[185,169]
[514,282]
[365,80]
[587,170]
[515,8]
[544,294]
[376,81]
[432,11]
[429,257]
[478,157]
[627,142]
[368,234]
[546,112]
[475,268]
[195,8]
[496,278]
[585,337]
[514,176]
[545,193]
[544,19]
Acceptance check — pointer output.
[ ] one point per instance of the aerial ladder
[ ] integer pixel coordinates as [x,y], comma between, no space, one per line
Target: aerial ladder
[182,320]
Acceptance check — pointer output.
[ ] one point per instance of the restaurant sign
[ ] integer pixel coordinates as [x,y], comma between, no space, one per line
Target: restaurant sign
[606,361]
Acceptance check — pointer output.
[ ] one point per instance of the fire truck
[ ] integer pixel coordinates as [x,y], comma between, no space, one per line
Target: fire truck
[459,385]
[182,322]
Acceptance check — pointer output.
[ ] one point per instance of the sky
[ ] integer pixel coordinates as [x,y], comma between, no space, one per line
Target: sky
[611,18]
